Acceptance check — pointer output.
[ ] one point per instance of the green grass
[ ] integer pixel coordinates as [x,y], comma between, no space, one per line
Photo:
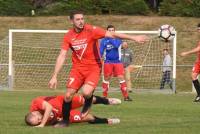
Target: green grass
[148,113]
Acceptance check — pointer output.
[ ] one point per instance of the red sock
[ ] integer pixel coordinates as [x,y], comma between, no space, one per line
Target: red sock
[105,87]
[123,88]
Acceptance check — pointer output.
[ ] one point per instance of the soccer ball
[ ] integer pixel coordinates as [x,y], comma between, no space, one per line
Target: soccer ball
[166,32]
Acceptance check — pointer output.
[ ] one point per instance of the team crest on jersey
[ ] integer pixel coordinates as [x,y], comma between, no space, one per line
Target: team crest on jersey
[80,49]
[109,47]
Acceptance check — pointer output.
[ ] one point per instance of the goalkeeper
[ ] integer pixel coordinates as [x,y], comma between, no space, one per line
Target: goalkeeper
[112,63]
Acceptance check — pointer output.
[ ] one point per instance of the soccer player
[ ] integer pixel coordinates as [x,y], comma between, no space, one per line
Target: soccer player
[82,39]
[47,110]
[113,65]
[196,67]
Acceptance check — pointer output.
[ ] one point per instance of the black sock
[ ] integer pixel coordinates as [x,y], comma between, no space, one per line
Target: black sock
[66,107]
[101,100]
[87,105]
[98,120]
[197,86]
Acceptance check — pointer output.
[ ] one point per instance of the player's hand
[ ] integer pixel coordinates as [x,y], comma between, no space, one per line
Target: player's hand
[41,125]
[53,83]
[183,54]
[83,115]
[141,38]
[124,45]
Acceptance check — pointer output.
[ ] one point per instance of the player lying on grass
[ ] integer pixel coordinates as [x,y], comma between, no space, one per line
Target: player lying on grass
[47,110]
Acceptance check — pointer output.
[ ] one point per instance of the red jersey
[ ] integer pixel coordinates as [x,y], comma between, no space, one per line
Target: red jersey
[84,45]
[56,102]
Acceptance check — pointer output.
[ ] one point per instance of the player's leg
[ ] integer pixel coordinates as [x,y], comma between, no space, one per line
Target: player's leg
[168,79]
[75,117]
[195,81]
[73,84]
[105,101]
[108,69]
[66,107]
[162,82]
[88,96]
[196,84]
[97,120]
[78,101]
[92,76]
[105,86]
[119,72]
[67,103]
[123,88]
[128,78]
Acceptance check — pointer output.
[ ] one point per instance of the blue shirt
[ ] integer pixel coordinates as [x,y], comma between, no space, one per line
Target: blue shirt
[112,48]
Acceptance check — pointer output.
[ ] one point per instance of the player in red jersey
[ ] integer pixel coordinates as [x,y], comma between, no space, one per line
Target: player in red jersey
[196,67]
[82,39]
[47,110]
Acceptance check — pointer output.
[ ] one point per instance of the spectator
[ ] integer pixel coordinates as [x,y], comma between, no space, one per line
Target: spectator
[166,70]
[127,59]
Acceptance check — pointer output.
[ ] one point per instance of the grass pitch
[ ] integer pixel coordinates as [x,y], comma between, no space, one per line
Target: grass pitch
[148,113]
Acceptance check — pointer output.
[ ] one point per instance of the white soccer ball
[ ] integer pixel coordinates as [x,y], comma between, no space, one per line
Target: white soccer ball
[166,32]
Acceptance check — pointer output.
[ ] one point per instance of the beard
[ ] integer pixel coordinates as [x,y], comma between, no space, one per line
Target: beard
[79,28]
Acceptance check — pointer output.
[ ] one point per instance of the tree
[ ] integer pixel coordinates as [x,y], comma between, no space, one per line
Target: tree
[41,3]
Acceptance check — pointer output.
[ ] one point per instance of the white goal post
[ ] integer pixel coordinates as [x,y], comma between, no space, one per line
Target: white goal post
[26,42]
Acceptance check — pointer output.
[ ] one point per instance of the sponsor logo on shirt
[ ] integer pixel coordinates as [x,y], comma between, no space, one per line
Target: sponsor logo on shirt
[79,47]
[109,47]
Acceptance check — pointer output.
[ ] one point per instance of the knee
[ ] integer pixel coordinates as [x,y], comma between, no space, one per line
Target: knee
[68,96]
[121,78]
[194,76]
[87,94]
[107,78]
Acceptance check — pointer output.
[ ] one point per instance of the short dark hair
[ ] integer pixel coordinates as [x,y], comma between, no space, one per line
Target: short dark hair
[198,25]
[166,49]
[110,26]
[74,12]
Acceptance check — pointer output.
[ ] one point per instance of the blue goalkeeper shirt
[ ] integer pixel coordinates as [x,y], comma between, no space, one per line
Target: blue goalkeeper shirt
[112,48]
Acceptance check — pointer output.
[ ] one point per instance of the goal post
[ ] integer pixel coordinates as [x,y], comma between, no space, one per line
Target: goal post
[32,56]
[174,63]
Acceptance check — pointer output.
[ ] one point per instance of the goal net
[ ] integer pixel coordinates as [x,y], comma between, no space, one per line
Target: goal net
[28,58]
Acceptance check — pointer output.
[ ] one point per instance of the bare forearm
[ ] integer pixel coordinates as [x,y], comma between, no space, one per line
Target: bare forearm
[59,63]
[121,35]
[195,50]
[47,110]
[46,116]
[137,38]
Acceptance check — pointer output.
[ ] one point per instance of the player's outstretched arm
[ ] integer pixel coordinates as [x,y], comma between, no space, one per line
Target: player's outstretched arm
[195,50]
[59,62]
[137,38]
